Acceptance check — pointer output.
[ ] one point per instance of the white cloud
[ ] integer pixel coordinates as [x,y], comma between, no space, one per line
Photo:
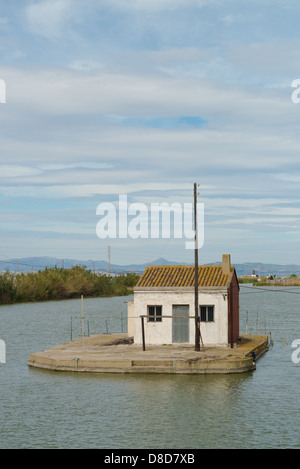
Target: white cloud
[47,18]
[157,5]
[14,171]
[61,92]
[86,190]
[228,19]
[63,129]
[63,120]
[292,177]
[83,165]
[273,59]
[269,221]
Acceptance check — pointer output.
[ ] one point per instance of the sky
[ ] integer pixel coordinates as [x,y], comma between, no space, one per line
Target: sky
[145,98]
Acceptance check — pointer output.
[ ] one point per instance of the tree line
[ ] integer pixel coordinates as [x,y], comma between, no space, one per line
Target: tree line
[61,284]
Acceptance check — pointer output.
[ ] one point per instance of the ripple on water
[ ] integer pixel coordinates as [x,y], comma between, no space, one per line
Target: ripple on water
[40,409]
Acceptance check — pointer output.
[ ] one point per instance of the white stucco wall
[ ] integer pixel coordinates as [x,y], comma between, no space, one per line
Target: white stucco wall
[131,321]
[213,333]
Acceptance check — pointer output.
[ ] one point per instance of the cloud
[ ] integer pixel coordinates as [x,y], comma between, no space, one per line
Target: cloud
[156,5]
[85,65]
[47,18]
[137,95]
[228,19]
[164,122]
[69,123]
[86,190]
[271,61]
[81,165]
[97,109]
[292,177]
[14,171]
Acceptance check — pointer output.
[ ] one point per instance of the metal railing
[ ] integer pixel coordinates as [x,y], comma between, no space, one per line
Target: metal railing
[90,325]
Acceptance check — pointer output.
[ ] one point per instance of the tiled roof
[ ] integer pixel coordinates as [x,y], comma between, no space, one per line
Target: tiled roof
[184,276]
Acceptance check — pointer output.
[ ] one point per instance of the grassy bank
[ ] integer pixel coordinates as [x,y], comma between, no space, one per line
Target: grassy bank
[264,282]
[61,284]
[280,283]
[248,280]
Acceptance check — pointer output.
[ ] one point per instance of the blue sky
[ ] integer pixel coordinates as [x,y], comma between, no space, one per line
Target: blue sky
[107,97]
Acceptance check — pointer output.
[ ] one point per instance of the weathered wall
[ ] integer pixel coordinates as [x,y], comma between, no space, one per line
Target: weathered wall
[161,332]
[131,321]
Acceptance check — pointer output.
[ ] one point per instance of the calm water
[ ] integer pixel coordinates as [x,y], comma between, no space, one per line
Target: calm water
[40,409]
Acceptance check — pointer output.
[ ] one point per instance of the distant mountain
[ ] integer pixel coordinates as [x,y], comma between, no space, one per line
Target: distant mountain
[40,263]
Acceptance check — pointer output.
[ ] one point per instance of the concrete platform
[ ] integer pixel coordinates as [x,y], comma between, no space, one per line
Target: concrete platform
[114,353]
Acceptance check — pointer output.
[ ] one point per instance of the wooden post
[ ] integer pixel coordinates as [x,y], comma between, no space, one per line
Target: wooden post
[197,324]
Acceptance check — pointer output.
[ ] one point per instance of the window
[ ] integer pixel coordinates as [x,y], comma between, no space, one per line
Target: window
[155,313]
[207,313]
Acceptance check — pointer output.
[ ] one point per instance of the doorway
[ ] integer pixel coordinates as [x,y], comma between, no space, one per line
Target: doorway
[180,325]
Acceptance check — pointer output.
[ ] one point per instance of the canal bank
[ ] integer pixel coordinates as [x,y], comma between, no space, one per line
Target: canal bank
[115,353]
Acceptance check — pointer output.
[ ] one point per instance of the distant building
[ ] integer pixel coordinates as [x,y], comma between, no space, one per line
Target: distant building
[253,276]
[169,291]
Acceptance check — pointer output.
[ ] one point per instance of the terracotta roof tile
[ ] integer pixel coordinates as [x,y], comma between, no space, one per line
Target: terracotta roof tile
[183,276]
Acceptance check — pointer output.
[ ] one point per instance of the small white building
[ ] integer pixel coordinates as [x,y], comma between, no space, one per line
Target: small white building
[165,296]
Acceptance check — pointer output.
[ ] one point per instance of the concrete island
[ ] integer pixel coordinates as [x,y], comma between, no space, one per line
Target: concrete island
[161,329]
[116,353]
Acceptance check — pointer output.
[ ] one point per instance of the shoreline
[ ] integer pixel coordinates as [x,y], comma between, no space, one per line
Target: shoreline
[62,284]
[64,299]
[263,284]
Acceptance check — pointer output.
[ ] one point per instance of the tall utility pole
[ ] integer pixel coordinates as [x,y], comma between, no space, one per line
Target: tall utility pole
[197,324]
